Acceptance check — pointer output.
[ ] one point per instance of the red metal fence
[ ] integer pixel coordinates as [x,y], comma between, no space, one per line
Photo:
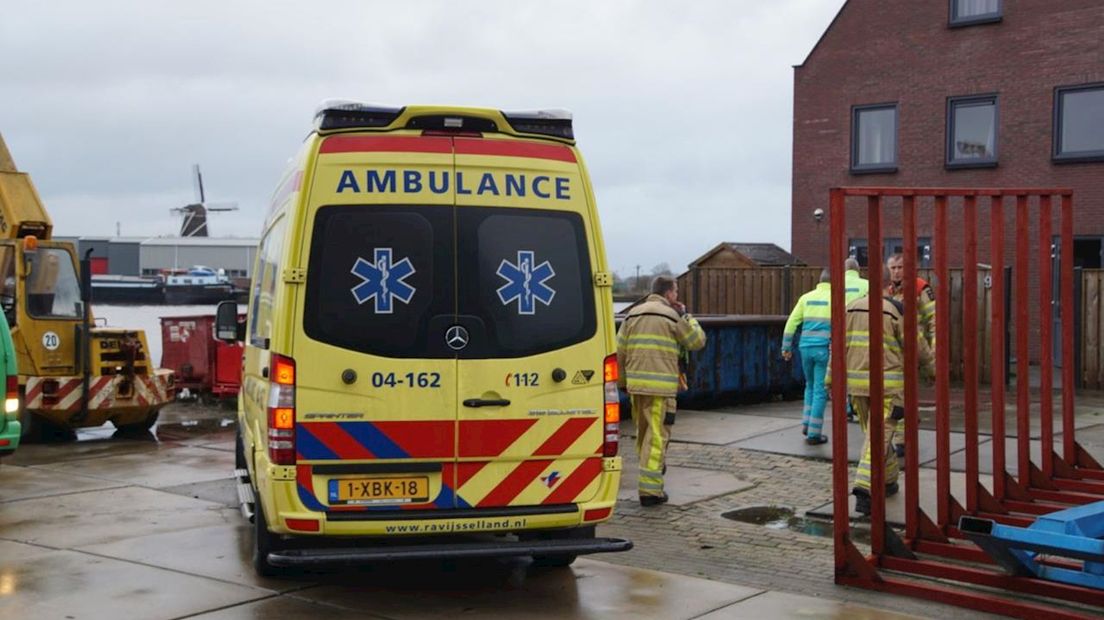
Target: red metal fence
[932,545]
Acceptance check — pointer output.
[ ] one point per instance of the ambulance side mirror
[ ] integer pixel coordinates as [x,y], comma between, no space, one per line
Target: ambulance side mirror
[227,328]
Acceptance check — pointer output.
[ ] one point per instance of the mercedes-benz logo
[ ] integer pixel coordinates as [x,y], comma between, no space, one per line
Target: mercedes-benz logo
[456,337]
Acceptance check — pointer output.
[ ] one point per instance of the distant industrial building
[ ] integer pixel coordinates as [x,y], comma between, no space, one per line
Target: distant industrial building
[133,256]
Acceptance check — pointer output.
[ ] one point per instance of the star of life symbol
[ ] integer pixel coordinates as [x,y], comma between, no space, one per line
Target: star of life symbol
[525,282]
[383,281]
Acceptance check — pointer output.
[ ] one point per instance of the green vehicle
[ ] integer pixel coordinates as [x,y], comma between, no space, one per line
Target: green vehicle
[9,418]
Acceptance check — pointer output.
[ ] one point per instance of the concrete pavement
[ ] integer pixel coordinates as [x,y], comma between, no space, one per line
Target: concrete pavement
[109,527]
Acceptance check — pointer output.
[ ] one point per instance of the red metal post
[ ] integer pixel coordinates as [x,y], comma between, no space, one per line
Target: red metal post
[996,311]
[1046,355]
[876,424]
[1023,326]
[969,353]
[840,492]
[852,568]
[912,397]
[1069,445]
[942,368]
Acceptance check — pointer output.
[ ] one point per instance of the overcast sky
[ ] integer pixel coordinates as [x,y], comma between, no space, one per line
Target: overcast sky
[683,111]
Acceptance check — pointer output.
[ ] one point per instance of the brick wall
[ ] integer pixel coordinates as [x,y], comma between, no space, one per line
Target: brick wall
[902,51]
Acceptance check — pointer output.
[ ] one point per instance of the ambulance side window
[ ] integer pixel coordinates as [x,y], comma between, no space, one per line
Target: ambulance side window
[265,280]
[533,289]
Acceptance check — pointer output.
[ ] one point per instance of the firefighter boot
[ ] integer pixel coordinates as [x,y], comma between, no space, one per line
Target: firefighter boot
[862,501]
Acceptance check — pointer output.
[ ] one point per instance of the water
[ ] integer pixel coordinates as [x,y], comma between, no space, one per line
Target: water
[147,318]
[783,518]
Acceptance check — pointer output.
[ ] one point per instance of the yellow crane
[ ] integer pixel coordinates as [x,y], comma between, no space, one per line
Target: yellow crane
[71,374]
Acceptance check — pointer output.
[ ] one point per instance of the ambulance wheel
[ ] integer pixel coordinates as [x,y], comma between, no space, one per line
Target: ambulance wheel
[560,561]
[239,451]
[553,561]
[264,543]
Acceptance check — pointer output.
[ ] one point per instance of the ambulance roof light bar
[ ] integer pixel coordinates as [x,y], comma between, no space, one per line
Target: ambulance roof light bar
[346,113]
[552,122]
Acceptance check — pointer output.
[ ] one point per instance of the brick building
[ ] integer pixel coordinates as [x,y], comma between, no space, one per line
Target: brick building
[951,93]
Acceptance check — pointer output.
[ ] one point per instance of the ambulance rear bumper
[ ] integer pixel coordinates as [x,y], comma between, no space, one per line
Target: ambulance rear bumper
[480,549]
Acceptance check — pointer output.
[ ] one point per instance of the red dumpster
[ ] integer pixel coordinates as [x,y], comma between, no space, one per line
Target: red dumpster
[204,366]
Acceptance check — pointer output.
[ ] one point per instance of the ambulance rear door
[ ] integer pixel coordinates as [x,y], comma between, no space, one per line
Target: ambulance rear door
[529,378]
[376,382]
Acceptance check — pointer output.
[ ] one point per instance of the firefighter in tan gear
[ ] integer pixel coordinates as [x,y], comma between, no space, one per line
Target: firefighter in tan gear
[925,314]
[857,346]
[648,345]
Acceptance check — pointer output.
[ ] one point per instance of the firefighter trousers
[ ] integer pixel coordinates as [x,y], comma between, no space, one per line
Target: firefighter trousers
[861,405]
[652,437]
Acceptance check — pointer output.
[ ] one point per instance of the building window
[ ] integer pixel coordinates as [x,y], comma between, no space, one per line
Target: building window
[972,132]
[856,249]
[860,251]
[969,12]
[874,138]
[1079,123]
[894,245]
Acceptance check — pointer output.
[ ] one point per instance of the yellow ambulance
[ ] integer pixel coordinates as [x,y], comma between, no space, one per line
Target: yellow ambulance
[429,351]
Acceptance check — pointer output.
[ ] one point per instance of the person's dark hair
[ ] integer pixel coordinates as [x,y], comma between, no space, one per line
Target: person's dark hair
[662,284]
[895,256]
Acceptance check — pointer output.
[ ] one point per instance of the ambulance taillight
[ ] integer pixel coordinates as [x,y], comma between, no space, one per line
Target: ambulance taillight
[612,421]
[281,411]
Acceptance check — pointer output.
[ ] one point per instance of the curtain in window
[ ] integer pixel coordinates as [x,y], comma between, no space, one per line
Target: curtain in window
[972,8]
[877,142]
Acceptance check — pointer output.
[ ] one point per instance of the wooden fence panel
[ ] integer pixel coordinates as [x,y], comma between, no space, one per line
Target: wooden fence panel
[720,290]
[1092,362]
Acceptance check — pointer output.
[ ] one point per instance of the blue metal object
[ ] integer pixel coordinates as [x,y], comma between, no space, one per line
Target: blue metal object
[1072,533]
[741,362]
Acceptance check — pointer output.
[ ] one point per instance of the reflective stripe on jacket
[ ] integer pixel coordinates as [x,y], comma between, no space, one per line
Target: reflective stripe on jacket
[648,346]
[856,286]
[813,314]
[857,346]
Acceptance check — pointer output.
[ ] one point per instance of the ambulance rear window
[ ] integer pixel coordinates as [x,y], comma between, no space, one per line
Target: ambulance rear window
[377,276]
[391,280]
[526,274]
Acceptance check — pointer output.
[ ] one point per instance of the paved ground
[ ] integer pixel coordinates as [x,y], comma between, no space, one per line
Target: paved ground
[773,468]
[110,527]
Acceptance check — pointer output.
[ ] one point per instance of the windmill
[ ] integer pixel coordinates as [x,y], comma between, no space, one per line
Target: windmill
[195,214]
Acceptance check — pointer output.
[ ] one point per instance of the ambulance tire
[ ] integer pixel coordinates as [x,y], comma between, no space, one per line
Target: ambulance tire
[264,543]
[560,561]
[239,451]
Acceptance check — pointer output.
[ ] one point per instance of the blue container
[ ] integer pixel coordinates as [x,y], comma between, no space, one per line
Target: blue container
[741,363]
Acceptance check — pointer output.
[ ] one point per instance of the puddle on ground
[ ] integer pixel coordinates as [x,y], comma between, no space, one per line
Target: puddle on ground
[783,518]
